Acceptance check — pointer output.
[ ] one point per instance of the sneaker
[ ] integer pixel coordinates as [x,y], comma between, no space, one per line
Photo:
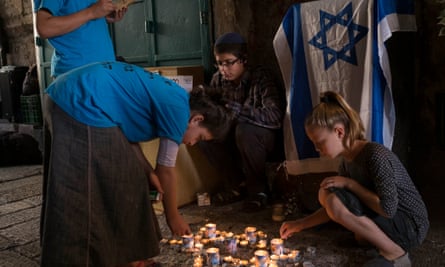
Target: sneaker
[403,261]
[381,261]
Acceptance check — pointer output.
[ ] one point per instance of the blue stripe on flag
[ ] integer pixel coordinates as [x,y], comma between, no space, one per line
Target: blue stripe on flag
[386,7]
[378,88]
[383,8]
[300,103]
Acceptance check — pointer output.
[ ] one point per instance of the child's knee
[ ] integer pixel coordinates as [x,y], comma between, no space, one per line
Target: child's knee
[335,208]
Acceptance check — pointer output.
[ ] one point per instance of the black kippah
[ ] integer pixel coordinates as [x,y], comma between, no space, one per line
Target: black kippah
[230,38]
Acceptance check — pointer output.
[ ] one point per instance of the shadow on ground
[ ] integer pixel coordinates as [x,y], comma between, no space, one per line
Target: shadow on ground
[20,204]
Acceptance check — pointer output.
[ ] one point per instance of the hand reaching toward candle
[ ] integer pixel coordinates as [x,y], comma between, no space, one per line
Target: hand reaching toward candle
[290,227]
[178,225]
[316,218]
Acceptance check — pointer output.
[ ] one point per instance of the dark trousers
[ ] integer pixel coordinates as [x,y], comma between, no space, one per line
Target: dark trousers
[243,156]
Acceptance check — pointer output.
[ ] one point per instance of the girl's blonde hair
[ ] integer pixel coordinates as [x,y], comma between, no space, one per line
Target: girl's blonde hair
[333,109]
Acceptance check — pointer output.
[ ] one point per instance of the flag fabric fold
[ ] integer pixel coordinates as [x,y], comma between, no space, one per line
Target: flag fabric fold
[339,46]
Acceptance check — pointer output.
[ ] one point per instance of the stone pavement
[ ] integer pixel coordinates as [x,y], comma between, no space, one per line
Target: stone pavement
[20,203]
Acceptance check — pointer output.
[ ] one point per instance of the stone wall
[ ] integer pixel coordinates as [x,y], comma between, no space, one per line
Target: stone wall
[257,21]
[17,22]
[416,93]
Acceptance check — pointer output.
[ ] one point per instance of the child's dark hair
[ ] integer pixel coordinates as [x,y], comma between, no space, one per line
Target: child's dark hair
[238,50]
[217,120]
[231,43]
[334,109]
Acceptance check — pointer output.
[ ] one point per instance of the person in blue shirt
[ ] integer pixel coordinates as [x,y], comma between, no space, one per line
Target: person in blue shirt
[97,210]
[77,30]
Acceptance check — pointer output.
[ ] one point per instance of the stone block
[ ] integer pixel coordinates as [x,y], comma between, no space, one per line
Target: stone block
[19,217]
[14,259]
[14,207]
[23,233]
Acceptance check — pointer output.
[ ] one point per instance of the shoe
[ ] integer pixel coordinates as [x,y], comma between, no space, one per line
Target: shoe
[226,197]
[381,261]
[403,261]
[255,203]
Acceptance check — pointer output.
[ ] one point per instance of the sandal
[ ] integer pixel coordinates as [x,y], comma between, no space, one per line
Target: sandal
[255,203]
[226,197]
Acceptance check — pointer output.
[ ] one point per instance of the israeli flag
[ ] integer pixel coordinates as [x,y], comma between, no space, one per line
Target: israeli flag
[339,46]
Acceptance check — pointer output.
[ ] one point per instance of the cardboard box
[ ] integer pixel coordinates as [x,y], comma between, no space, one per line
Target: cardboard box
[185,81]
[180,72]
[195,174]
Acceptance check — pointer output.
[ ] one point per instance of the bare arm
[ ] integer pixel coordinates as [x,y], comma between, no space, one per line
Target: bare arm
[175,221]
[50,26]
[369,198]
[318,217]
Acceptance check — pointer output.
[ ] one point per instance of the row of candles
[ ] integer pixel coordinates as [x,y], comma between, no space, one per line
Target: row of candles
[213,240]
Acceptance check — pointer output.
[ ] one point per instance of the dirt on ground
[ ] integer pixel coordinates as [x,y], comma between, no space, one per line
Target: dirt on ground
[326,245]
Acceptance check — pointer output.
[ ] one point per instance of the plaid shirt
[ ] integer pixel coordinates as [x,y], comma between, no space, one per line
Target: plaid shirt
[256,100]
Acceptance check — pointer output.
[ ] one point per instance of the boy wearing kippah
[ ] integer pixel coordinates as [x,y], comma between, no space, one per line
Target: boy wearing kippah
[258,105]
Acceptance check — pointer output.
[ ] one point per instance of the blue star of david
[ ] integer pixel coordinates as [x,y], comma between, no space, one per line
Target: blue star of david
[355,33]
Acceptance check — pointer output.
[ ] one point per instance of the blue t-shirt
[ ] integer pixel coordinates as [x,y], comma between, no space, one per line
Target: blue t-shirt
[144,105]
[89,43]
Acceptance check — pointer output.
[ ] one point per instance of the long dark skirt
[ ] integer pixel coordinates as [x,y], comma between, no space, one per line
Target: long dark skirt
[96,208]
